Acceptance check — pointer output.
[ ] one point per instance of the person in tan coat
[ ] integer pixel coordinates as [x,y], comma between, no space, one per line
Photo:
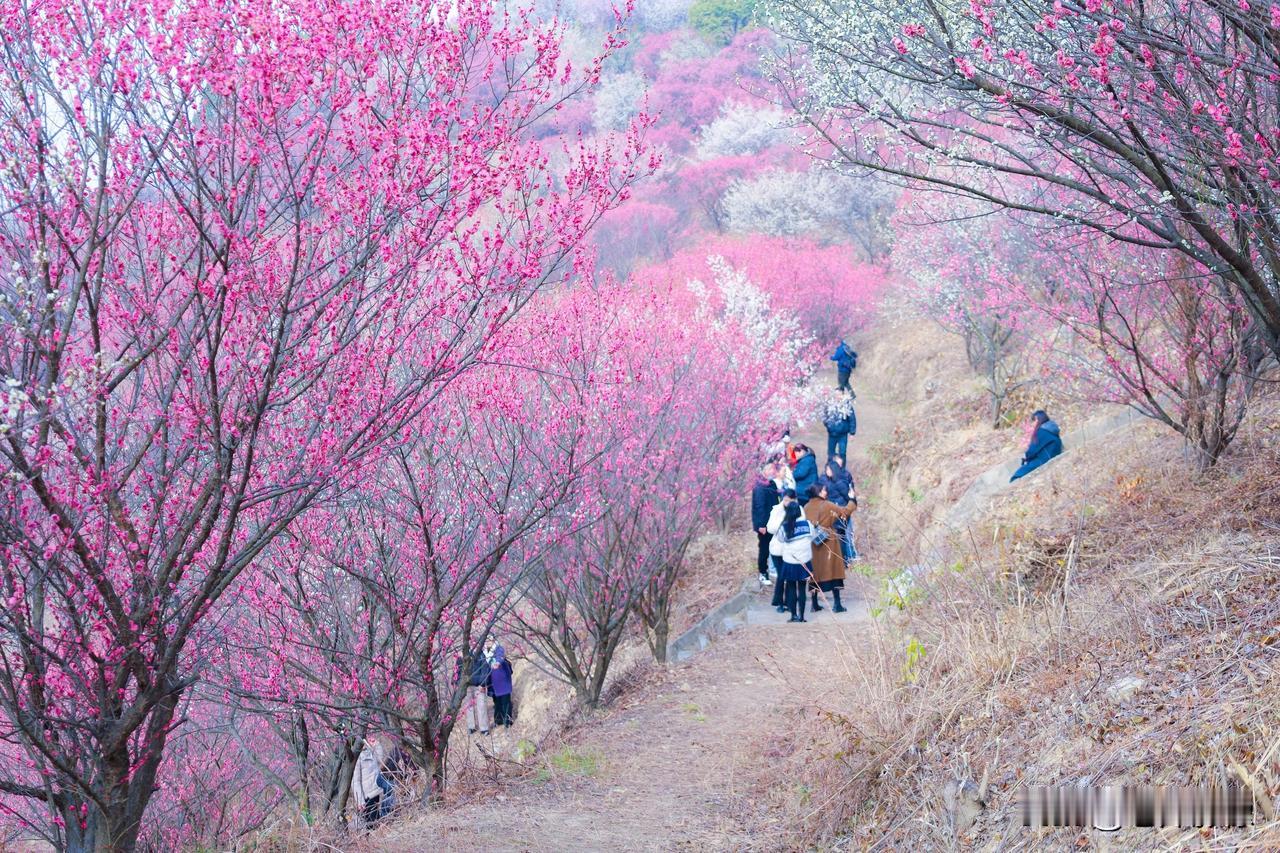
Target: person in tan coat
[828,561]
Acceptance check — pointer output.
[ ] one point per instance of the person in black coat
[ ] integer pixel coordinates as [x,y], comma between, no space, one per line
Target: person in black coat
[764,497]
[1046,443]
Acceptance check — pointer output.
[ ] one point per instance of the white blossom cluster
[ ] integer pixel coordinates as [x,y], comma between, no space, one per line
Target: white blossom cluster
[12,399]
[618,100]
[787,203]
[742,129]
[748,308]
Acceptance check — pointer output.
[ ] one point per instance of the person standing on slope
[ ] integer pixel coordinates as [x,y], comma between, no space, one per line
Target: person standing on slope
[846,360]
[797,556]
[828,560]
[371,789]
[840,491]
[478,717]
[500,683]
[1046,443]
[764,497]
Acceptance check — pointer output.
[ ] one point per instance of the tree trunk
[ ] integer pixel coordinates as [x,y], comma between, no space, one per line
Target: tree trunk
[436,774]
[344,766]
[125,789]
[660,631]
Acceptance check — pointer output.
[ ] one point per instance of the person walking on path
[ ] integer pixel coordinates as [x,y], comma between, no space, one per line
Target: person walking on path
[806,471]
[841,422]
[500,684]
[764,497]
[797,557]
[1046,443]
[828,560]
[846,360]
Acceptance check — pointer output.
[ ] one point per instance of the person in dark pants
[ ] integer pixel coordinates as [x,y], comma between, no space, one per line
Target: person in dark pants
[1046,443]
[837,480]
[839,428]
[846,360]
[764,497]
[786,496]
[797,557]
[500,683]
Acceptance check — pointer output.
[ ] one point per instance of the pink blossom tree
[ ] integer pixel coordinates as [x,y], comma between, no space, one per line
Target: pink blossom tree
[1155,124]
[373,608]
[240,253]
[695,399]
[979,277]
[1157,333]
[825,287]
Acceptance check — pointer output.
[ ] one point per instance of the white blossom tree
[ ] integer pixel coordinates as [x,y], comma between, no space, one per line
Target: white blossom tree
[744,129]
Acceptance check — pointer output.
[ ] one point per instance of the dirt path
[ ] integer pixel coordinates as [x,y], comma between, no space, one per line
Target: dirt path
[675,766]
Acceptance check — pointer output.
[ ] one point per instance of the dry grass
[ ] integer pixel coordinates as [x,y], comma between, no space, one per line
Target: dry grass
[1123,563]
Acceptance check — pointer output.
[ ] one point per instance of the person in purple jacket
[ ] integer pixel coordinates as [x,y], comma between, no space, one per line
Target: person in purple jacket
[500,685]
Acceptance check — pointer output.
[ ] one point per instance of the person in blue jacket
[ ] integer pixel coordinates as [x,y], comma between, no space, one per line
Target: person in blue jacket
[1046,443]
[846,360]
[838,431]
[805,472]
[764,497]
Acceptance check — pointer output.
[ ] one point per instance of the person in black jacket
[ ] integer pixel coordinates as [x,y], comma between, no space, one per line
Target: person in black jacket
[1046,443]
[764,496]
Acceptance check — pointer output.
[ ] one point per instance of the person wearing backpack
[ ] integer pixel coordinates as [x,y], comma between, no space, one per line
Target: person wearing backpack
[793,530]
[828,560]
[846,360]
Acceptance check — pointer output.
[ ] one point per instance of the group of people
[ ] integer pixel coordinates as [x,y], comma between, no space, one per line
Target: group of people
[490,678]
[371,783]
[802,518]
[377,769]
[804,533]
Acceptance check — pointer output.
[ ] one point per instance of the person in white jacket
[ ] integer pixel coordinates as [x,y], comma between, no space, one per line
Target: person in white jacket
[794,543]
[369,787]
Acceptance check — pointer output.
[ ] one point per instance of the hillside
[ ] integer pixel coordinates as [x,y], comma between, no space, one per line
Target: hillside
[1111,619]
